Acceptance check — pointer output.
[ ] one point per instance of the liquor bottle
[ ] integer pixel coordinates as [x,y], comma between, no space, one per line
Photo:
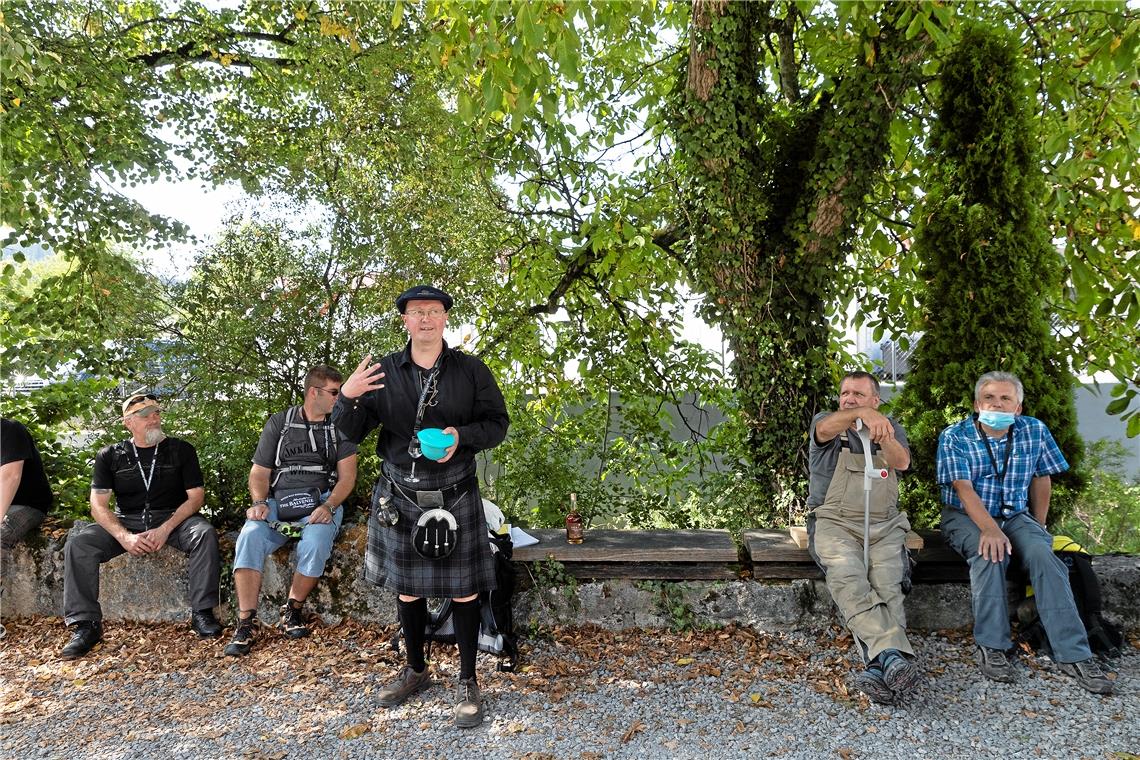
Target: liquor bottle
[574,527]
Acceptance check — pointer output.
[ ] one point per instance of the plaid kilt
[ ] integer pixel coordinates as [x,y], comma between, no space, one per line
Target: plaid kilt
[390,560]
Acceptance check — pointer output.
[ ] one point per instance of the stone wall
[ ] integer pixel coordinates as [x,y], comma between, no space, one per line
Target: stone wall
[154,588]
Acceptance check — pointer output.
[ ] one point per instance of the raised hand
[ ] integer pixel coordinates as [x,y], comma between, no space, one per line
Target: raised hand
[366,377]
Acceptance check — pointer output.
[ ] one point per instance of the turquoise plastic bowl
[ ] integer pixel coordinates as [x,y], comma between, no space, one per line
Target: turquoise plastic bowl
[434,443]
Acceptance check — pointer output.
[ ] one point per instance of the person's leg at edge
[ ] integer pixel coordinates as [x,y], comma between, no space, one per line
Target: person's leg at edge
[1050,579]
[413,621]
[469,701]
[987,581]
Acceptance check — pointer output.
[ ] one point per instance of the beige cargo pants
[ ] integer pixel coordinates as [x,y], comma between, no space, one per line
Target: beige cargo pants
[870,599]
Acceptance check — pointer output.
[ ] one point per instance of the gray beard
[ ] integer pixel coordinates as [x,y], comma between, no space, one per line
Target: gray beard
[154,436]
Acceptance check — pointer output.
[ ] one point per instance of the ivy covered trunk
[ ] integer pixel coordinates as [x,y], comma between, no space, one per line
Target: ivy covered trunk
[771,219]
[991,274]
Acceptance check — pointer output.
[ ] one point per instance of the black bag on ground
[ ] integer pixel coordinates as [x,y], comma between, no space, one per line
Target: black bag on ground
[1105,637]
[496,626]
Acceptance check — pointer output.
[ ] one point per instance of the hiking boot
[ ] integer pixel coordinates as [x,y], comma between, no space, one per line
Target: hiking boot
[84,636]
[1088,675]
[244,635]
[468,704]
[405,685]
[293,619]
[899,673]
[205,624]
[872,683]
[995,665]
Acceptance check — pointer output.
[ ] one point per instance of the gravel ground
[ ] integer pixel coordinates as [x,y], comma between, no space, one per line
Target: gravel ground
[152,691]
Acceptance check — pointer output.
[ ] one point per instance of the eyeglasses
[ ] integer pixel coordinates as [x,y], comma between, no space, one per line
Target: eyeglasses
[141,397]
[334,392]
[421,313]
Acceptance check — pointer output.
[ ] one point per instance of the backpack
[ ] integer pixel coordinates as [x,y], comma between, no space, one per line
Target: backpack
[1105,637]
[496,626]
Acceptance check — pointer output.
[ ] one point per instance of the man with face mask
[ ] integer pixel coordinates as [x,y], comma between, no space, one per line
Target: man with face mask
[158,489]
[995,469]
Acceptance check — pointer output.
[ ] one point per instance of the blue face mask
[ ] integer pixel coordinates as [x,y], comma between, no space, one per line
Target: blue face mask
[996,420]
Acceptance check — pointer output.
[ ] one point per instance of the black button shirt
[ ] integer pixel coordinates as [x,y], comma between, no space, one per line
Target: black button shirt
[468,399]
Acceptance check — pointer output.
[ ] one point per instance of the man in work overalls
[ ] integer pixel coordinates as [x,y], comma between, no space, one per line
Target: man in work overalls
[869,596]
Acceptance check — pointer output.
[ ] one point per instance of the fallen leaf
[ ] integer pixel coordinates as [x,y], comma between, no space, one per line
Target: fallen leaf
[632,731]
[355,731]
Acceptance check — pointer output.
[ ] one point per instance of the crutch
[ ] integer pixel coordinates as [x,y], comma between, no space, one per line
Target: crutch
[871,473]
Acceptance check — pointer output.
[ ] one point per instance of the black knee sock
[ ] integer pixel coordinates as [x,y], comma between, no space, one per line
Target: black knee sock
[413,620]
[465,616]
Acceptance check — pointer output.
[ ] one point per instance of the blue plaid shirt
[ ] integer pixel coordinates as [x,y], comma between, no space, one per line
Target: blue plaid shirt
[962,455]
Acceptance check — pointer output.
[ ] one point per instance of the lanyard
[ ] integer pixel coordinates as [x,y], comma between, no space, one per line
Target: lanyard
[1008,452]
[146,479]
[427,388]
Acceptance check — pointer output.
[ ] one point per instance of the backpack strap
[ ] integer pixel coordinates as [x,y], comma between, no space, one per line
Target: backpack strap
[331,439]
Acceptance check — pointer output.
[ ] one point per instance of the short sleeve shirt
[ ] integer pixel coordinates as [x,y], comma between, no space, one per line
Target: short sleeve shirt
[175,471]
[16,445]
[1003,489]
[822,459]
[305,445]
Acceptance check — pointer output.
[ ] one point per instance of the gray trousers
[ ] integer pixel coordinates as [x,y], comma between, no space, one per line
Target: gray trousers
[1033,547]
[92,546]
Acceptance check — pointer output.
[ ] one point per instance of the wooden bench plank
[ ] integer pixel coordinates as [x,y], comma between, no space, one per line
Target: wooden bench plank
[775,555]
[658,571]
[630,546]
[799,535]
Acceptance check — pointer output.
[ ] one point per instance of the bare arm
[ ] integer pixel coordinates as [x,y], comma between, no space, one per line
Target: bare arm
[195,498]
[346,480]
[878,426]
[992,544]
[102,514]
[897,456]
[258,491]
[10,475]
[1040,491]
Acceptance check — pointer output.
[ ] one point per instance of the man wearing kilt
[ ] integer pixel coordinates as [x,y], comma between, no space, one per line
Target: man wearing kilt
[428,385]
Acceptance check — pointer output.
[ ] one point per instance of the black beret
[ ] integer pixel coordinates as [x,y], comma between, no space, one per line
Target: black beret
[423,293]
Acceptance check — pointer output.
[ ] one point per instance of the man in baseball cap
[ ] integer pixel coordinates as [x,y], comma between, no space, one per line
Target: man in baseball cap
[158,488]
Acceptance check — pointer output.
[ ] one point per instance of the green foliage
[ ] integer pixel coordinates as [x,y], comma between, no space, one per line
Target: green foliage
[69,421]
[772,187]
[672,603]
[1106,513]
[989,270]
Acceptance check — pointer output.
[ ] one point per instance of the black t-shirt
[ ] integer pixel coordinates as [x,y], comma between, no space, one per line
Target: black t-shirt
[16,444]
[175,472]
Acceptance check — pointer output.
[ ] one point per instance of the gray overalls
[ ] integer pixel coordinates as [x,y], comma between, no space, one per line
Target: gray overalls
[871,601]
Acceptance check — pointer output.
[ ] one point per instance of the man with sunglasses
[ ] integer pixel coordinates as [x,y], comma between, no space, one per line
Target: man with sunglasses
[303,463]
[158,489]
[428,385]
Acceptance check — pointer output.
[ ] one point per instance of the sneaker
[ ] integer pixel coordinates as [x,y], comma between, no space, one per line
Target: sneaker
[995,665]
[84,636]
[405,685]
[899,673]
[872,683]
[244,635]
[293,619]
[1088,675]
[468,704]
[205,624]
